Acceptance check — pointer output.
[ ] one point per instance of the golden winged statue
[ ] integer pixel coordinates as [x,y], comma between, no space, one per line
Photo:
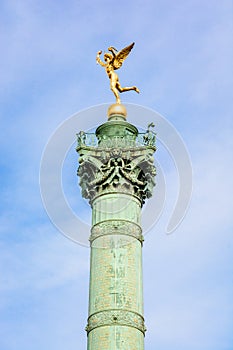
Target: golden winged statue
[114,61]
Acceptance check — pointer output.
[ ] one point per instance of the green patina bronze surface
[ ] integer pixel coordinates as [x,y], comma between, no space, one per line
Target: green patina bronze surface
[116,171]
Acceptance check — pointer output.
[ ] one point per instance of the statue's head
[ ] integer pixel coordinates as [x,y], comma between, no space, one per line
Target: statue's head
[108,57]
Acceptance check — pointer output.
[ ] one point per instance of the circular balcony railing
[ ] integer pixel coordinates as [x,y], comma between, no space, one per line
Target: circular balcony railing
[147,138]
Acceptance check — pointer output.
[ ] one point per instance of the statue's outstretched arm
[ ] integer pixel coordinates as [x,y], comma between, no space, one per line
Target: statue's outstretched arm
[98,59]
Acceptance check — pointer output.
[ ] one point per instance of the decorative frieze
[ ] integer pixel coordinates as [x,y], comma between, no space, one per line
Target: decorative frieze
[116,227]
[116,317]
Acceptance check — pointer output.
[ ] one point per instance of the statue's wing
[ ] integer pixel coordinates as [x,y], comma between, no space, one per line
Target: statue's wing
[121,56]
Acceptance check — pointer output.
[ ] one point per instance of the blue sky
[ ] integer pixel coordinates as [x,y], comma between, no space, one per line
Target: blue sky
[182,63]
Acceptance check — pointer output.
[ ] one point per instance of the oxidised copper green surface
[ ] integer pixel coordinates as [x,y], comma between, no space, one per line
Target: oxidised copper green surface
[116,175]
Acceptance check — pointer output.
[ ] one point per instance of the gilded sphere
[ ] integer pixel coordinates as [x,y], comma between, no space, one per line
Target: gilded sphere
[117,109]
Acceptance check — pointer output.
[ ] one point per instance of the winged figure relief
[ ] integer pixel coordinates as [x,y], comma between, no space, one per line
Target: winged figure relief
[113,60]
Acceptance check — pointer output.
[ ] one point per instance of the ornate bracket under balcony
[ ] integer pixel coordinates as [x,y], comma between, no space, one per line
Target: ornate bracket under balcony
[116,159]
[117,171]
